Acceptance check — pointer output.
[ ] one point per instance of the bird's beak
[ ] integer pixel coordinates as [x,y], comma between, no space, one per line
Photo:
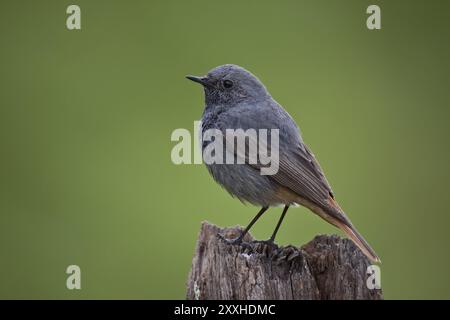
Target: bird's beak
[202,80]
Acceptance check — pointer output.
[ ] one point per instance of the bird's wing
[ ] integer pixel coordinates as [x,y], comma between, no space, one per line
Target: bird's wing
[298,169]
[300,172]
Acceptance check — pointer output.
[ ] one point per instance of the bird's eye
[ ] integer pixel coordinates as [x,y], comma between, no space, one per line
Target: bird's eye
[227,83]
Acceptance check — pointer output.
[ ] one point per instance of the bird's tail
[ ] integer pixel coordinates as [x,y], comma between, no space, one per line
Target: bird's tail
[358,239]
[336,216]
[333,214]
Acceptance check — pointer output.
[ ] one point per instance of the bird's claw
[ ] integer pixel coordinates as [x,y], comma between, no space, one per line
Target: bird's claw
[234,241]
[276,253]
[268,242]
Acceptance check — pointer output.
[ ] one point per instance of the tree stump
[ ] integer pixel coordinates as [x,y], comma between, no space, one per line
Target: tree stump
[328,267]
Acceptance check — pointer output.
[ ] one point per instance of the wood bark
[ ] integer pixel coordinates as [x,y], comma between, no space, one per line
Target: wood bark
[328,267]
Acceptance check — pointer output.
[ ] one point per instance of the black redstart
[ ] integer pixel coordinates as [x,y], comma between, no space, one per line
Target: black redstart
[236,99]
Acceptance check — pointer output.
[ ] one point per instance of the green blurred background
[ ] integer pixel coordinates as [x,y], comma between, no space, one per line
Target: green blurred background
[86,118]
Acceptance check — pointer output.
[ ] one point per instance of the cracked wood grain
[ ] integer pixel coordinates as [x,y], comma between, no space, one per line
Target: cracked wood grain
[328,267]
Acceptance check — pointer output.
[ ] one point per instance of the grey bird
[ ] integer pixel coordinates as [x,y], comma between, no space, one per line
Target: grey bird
[236,99]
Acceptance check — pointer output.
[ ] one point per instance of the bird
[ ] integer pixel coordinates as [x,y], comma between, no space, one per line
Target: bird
[236,99]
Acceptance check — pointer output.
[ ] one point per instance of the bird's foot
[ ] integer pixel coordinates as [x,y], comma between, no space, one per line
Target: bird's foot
[234,241]
[269,242]
[287,253]
[267,247]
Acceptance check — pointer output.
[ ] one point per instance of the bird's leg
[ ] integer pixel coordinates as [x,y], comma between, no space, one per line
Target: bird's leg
[274,234]
[238,240]
[272,238]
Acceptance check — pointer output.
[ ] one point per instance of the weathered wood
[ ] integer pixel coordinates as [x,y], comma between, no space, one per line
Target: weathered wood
[328,267]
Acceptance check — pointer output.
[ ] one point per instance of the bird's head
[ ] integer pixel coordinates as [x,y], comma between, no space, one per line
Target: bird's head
[230,84]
